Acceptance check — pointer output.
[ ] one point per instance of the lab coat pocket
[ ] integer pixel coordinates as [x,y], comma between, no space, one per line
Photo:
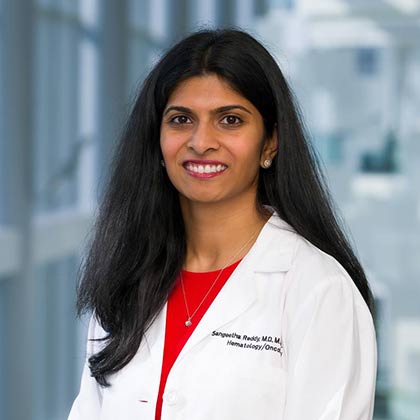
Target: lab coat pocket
[254,393]
[264,391]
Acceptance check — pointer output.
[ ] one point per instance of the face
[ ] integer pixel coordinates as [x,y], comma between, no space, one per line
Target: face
[212,141]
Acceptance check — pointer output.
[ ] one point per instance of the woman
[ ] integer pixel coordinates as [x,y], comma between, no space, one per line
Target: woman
[220,281]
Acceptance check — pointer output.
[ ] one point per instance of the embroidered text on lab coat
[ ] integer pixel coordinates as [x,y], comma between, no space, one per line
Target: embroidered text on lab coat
[253,342]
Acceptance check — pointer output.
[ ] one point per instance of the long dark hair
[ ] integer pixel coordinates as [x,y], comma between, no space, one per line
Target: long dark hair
[138,246]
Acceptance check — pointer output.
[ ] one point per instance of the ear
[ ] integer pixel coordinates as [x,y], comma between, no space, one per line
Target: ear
[270,146]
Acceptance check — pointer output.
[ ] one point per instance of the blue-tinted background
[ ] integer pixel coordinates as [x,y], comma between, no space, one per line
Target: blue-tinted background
[68,73]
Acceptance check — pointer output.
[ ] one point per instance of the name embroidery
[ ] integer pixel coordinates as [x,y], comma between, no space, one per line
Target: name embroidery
[254,342]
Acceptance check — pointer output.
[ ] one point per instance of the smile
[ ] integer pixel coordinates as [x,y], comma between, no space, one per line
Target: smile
[204,170]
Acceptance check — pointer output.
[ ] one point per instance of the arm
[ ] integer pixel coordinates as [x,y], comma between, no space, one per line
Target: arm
[331,350]
[87,405]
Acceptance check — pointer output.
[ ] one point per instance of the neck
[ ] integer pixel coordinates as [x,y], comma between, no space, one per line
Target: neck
[219,234]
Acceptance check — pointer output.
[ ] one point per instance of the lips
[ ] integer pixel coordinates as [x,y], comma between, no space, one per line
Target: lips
[204,169]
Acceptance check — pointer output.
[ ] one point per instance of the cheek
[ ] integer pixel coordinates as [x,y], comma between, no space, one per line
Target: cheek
[169,146]
[249,152]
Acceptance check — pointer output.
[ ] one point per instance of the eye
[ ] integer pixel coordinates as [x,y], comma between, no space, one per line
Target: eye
[231,120]
[179,119]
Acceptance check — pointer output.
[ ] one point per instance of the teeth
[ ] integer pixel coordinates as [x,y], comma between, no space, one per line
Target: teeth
[207,169]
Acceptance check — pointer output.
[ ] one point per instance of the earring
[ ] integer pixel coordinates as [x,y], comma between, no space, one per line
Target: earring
[162,162]
[267,163]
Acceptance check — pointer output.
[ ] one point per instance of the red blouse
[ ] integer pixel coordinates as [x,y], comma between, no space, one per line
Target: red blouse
[176,333]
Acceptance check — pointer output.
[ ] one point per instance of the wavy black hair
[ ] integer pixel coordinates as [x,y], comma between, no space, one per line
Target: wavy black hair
[138,244]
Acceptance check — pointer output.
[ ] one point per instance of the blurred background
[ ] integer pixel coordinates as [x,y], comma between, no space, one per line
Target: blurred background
[69,71]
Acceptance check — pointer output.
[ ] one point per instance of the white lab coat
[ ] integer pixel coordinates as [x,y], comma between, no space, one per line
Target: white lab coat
[289,337]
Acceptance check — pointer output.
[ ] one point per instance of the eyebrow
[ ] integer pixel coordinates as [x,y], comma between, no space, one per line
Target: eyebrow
[215,111]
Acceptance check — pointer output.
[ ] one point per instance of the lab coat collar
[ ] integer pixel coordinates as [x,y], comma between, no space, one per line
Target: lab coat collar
[275,246]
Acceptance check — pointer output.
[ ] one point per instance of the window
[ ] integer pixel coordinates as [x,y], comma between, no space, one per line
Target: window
[225,12]
[366,61]
[3,151]
[330,147]
[51,162]
[383,160]
[261,7]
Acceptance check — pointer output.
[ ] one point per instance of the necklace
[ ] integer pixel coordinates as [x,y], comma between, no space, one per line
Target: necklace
[188,322]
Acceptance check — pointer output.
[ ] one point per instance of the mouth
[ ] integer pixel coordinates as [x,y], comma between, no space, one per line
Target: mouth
[204,169]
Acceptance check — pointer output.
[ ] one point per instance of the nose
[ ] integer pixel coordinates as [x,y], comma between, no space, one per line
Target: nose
[203,139]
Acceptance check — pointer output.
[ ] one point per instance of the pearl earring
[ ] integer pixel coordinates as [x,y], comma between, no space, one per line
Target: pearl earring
[162,162]
[267,163]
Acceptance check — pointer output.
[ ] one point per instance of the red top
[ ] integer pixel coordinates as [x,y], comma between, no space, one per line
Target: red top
[196,286]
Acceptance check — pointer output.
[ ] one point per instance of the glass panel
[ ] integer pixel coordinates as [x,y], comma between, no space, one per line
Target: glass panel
[87,121]
[138,14]
[330,147]
[56,141]
[3,142]
[158,19]
[4,354]
[261,7]
[89,13]
[225,12]
[367,61]
[56,344]
[62,137]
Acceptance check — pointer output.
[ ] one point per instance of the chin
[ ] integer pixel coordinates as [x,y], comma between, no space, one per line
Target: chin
[204,198]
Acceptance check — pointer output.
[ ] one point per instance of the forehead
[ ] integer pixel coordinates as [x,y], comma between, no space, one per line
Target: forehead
[205,90]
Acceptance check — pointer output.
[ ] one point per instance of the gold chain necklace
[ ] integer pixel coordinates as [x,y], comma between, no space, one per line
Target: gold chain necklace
[188,322]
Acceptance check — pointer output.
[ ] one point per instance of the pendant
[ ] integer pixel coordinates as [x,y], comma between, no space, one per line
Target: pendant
[188,323]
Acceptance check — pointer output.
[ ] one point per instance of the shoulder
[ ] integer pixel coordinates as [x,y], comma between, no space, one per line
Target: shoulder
[313,266]
[313,272]
[309,270]
[318,290]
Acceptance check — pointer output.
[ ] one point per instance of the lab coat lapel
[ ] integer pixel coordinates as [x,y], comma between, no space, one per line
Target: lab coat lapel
[272,252]
[236,296]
